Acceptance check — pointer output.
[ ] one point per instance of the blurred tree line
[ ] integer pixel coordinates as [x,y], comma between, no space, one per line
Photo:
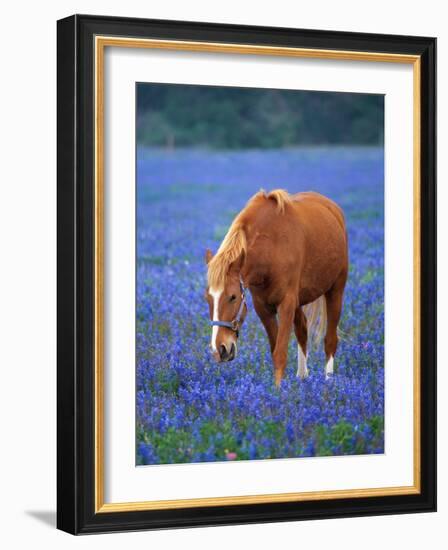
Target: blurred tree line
[173,115]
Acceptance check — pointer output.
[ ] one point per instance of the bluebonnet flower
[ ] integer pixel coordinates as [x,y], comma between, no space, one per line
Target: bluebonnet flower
[189,409]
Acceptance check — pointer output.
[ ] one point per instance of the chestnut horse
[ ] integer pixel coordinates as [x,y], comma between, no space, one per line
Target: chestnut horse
[291,252]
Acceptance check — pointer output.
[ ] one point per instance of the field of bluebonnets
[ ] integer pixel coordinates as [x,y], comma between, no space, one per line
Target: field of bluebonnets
[190,409]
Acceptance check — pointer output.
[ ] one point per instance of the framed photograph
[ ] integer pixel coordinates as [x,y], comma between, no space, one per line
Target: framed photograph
[246,274]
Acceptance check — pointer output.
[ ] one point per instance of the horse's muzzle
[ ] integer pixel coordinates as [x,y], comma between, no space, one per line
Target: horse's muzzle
[225,354]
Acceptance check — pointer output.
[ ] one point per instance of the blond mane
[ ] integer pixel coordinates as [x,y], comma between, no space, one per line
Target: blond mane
[281,197]
[234,243]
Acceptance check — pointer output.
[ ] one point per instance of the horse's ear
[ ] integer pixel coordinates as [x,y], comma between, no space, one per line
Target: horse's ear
[208,255]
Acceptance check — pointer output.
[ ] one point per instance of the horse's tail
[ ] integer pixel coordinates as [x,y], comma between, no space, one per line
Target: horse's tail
[316,316]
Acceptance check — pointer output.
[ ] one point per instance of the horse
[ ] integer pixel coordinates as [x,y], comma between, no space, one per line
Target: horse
[291,253]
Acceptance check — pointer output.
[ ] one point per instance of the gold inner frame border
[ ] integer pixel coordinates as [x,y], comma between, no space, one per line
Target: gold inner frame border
[101,42]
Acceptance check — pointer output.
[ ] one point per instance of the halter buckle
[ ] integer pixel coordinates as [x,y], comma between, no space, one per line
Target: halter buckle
[235,325]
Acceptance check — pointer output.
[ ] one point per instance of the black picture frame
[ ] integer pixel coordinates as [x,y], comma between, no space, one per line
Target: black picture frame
[76,260]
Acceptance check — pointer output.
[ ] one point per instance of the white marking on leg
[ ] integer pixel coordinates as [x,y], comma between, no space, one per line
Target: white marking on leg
[216,295]
[302,371]
[329,368]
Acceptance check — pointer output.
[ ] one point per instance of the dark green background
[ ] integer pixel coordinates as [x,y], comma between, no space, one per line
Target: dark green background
[172,115]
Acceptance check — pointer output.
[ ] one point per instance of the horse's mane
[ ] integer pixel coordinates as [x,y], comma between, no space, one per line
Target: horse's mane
[234,243]
[280,196]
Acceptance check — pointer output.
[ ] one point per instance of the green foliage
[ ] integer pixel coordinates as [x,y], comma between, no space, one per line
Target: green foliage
[346,438]
[342,438]
[173,115]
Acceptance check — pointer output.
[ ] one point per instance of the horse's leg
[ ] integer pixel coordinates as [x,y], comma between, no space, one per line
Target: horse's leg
[286,312]
[333,300]
[269,319]
[301,330]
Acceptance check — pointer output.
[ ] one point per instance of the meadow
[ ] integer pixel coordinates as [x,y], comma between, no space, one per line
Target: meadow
[190,409]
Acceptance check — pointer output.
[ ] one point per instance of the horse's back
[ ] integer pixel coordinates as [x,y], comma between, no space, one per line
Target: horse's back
[323,222]
[313,198]
[304,246]
[307,219]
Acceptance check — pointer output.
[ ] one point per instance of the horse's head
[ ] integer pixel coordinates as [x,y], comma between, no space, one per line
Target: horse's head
[227,306]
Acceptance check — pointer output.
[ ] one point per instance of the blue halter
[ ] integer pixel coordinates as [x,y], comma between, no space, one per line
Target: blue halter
[236,323]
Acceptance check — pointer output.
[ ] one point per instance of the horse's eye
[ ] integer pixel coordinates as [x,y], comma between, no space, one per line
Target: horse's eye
[232,298]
